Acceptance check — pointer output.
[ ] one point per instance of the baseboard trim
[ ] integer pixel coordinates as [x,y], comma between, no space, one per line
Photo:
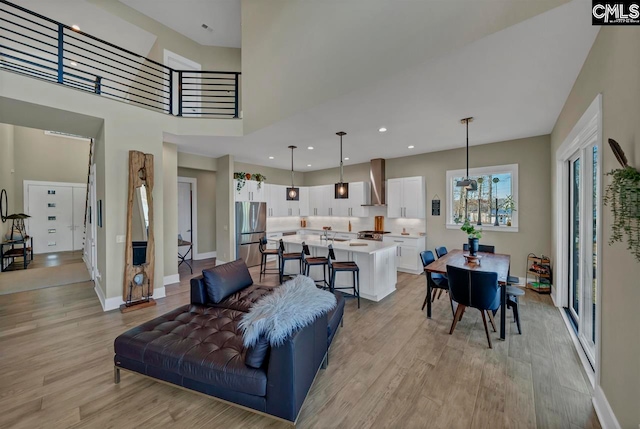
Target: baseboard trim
[219,262]
[607,418]
[115,302]
[206,255]
[99,293]
[169,280]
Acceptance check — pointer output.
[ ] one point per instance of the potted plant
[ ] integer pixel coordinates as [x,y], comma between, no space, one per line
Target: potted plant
[474,236]
[509,205]
[258,177]
[241,177]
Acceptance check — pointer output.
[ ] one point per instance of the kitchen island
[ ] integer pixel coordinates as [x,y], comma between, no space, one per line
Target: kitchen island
[376,260]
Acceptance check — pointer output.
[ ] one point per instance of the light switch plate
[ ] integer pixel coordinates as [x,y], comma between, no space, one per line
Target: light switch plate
[120,238]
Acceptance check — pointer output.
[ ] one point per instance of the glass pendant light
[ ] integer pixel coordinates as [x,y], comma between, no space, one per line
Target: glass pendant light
[341,188]
[293,193]
[468,184]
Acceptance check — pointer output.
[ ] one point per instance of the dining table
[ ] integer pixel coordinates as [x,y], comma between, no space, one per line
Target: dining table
[492,262]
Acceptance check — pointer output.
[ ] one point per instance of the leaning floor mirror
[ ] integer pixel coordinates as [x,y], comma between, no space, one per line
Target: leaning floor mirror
[139,261]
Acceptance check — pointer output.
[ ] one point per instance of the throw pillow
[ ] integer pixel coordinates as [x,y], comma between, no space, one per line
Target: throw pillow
[226,279]
[257,353]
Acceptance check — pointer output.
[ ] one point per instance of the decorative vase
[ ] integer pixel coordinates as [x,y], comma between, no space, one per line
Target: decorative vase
[473,246]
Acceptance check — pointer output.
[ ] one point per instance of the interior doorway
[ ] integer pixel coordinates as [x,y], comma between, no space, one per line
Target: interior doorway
[187,219]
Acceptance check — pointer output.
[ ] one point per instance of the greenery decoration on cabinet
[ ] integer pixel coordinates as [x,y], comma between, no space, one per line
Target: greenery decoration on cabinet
[623,197]
[242,178]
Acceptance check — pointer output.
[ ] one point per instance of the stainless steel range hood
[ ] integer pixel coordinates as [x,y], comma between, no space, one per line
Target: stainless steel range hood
[377,177]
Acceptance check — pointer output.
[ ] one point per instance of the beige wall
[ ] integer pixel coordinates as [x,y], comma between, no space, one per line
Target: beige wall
[6,173]
[47,158]
[170,224]
[197,162]
[206,207]
[119,128]
[225,222]
[276,176]
[532,157]
[612,69]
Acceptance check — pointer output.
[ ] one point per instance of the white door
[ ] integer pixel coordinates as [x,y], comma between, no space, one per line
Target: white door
[79,207]
[191,84]
[51,222]
[184,213]
[394,198]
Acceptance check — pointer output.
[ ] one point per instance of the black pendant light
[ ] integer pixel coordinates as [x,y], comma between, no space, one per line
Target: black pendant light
[341,188]
[468,184]
[293,193]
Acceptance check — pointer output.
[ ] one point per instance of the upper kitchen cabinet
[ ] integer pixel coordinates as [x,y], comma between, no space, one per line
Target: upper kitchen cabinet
[251,191]
[321,201]
[279,206]
[358,195]
[406,197]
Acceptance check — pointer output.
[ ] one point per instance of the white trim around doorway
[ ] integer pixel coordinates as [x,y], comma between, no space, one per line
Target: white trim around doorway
[194,213]
[589,123]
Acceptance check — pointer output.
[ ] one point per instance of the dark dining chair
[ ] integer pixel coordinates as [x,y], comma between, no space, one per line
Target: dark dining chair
[438,282]
[265,253]
[309,261]
[476,289]
[481,248]
[441,251]
[284,257]
[513,293]
[343,266]
[491,249]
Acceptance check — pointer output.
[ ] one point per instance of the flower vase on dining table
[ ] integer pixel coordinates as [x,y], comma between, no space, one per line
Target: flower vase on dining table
[473,246]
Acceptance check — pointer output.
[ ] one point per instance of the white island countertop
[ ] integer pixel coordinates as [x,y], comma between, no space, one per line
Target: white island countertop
[314,241]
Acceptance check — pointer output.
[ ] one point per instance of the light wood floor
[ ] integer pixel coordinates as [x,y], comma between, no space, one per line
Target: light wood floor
[389,367]
[55,259]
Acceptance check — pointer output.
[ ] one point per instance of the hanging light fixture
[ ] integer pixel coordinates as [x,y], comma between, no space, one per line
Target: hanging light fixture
[468,184]
[293,193]
[341,188]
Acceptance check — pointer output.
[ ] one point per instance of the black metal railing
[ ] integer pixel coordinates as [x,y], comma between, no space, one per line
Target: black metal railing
[40,47]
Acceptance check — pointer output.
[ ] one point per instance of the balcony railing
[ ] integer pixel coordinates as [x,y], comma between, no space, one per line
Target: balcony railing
[40,47]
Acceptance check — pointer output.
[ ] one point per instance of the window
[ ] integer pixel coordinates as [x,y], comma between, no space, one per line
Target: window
[494,183]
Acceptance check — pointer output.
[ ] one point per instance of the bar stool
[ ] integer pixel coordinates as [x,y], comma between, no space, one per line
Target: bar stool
[265,254]
[284,257]
[308,262]
[344,266]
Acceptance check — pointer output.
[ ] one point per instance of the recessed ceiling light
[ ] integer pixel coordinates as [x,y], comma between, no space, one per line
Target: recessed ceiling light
[308,165]
[346,158]
[382,129]
[73,64]
[310,147]
[270,157]
[411,147]
[76,27]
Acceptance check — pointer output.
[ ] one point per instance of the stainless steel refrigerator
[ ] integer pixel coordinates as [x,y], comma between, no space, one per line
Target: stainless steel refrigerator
[251,225]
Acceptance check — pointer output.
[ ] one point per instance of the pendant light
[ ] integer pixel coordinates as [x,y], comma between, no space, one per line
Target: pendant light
[341,188]
[293,193]
[468,184]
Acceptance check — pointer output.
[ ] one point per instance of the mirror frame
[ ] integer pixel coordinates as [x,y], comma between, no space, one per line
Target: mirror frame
[141,172]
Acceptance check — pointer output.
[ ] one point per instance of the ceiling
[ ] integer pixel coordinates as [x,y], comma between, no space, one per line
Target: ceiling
[187,16]
[514,82]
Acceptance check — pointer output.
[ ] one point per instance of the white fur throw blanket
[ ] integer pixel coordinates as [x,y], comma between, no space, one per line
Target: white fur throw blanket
[294,305]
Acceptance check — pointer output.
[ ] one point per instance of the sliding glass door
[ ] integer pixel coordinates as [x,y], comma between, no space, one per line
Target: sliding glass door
[584,218]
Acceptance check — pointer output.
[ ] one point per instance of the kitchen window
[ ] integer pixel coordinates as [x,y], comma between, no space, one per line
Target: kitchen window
[496,184]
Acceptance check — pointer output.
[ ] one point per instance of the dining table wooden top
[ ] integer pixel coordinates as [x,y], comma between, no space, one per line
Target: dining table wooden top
[493,262]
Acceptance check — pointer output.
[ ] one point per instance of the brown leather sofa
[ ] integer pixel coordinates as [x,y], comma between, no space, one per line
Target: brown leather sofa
[199,346]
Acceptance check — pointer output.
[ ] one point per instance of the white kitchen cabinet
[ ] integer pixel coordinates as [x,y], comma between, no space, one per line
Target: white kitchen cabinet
[407,252]
[250,191]
[321,201]
[406,198]
[304,202]
[359,194]
[275,196]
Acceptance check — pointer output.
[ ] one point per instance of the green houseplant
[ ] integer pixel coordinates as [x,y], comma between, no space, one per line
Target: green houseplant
[474,236]
[623,197]
[258,177]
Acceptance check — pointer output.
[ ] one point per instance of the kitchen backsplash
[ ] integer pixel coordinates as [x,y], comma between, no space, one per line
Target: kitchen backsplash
[414,226]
